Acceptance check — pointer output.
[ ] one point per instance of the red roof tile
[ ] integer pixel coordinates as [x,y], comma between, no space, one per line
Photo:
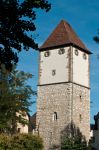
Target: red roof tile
[63,35]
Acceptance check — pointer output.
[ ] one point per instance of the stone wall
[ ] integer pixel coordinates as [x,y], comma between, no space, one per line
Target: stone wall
[63,99]
[53,98]
[81,109]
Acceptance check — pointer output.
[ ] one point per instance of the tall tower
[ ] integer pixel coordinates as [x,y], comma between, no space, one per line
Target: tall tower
[64,88]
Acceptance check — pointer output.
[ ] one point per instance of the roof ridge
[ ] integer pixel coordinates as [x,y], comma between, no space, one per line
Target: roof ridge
[64,22]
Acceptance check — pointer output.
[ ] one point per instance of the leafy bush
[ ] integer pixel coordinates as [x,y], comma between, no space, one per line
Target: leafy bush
[4,142]
[73,144]
[20,141]
[73,139]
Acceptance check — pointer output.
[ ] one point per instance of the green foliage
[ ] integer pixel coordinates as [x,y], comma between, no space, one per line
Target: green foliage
[16,21]
[15,97]
[73,144]
[20,141]
[72,139]
[4,141]
[96,38]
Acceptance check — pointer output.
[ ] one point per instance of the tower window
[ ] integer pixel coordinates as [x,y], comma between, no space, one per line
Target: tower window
[80,117]
[76,52]
[55,116]
[80,98]
[47,54]
[53,72]
[84,56]
[61,51]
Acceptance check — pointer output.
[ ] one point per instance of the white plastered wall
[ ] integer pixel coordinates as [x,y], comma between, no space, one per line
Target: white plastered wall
[23,128]
[80,68]
[54,62]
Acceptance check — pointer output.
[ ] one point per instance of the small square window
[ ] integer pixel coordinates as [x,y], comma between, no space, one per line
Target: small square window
[47,54]
[53,72]
[76,52]
[84,56]
[61,51]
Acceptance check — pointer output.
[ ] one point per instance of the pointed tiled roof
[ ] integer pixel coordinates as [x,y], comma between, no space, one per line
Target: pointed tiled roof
[63,35]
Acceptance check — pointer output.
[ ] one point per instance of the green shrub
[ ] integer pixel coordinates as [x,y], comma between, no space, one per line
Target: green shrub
[20,142]
[4,142]
[73,144]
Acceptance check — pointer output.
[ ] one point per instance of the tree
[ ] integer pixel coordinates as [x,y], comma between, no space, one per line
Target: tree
[15,97]
[96,38]
[16,20]
[72,139]
[73,143]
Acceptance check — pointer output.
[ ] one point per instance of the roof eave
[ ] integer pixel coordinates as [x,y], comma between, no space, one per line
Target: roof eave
[63,45]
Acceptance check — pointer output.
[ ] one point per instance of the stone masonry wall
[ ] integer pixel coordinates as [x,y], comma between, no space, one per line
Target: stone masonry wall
[81,109]
[53,98]
[70,102]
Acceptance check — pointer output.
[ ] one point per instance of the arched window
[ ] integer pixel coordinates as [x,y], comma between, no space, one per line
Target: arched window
[55,116]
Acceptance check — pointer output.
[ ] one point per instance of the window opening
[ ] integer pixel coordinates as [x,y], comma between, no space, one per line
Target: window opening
[47,54]
[80,98]
[53,72]
[19,130]
[76,52]
[55,116]
[80,117]
[84,56]
[61,51]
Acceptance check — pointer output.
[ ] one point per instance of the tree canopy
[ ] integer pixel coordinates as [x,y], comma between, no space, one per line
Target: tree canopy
[96,38]
[15,97]
[16,19]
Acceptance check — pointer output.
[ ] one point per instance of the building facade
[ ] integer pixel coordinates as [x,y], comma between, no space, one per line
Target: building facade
[23,128]
[64,86]
[95,132]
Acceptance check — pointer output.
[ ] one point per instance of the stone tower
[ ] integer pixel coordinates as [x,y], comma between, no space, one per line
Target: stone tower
[64,86]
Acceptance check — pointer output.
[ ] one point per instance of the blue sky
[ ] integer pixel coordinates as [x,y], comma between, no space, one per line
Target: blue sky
[83,17]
